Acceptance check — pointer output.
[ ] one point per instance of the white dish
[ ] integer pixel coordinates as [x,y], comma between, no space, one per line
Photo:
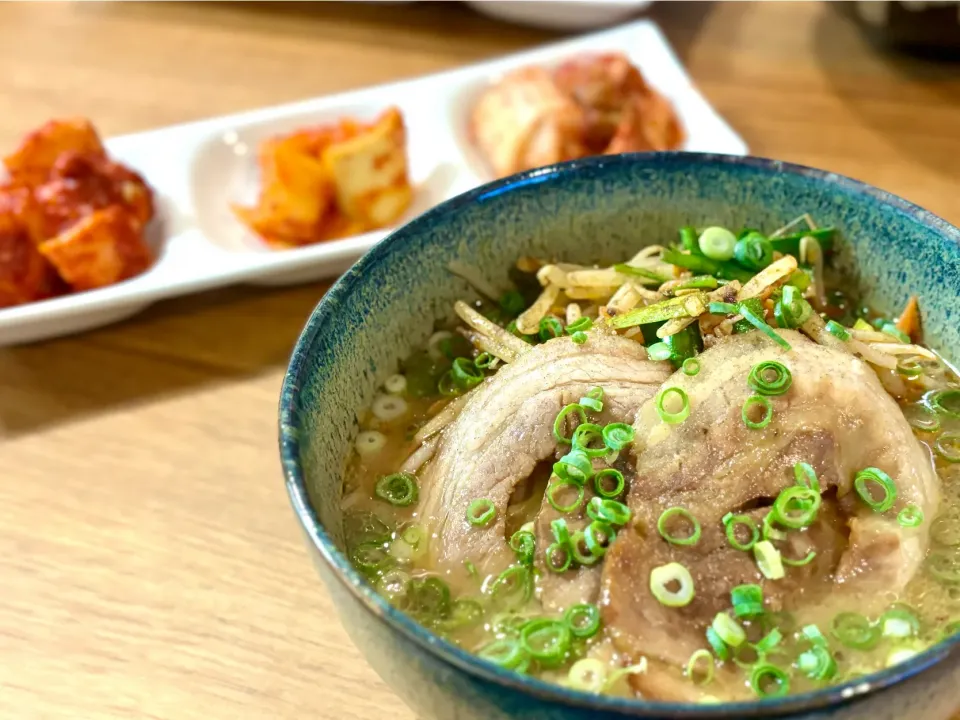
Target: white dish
[552,15]
[197,169]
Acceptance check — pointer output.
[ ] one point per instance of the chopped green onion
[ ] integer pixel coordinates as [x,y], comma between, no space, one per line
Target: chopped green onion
[430,597]
[895,332]
[756,307]
[757,401]
[581,553]
[371,556]
[747,600]
[446,385]
[855,631]
[875,476]
[471,568]
[557,557]
[464,612]
[800,279]
[560,485]
[465,373]
[792,310]
[813,634]
[678,512]
[688,239]
[817,663]
[796,507]
[481,512]
[769,681]
[718,645]
[911,516]
[921,418]
[691,366]
[581,324]
[485,361]
[584,435]
[700,663]
[561,533]
[625,269]
[702,265]
[838,330]
[593,400]
[550,327]
[561,419]
[770,378]
[609,491]
[806,476]
[579,337]
[575,466]
[769,531]
[588,675]
[717,243]
[664,575]
[805,560]
[790,244]
[758,322]
[909,367]
[768,642]
[673,417]
[769,561]
[659,351]
[583,620]
[731,522]
[948,446]
[546,641]
[898,622]
[508,653]
[606,510]
[617,436]
[513,587]
[862,324]
[722,308]
[598,537]
[946,402]
[512,303]
[729,630]
[753,251]
[699,282]
[524,545]
[690,305]
[398,489]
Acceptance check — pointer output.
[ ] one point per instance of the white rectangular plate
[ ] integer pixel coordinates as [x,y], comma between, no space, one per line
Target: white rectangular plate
[198,169]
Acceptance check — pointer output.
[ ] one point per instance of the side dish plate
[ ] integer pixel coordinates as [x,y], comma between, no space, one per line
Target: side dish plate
[198,169]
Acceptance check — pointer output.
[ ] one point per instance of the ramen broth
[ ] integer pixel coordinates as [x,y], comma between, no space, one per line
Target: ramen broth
[541,601]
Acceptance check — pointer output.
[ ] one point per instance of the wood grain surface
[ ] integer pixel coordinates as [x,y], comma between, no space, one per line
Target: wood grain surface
[151,566]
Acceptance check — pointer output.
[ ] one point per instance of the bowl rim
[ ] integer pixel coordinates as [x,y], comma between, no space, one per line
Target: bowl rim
[377,606]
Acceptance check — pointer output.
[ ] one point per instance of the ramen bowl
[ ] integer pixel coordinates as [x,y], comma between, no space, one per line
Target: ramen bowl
[585,211]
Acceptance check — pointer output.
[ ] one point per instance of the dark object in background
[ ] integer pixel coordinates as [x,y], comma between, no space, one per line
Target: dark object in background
[930,28]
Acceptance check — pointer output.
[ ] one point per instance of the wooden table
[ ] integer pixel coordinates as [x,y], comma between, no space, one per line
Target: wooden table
[151,566]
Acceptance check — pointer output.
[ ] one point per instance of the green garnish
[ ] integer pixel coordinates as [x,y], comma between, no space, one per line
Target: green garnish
[609,491]
[690,538]
[717,243]
[838,330]
[610,511]
[690,305]
[728,630]
[747,600]
[644,273]
[753,251]
[550,327]
[911,516]
[557,557]
[583,620]
[770,378]
[796,507]
[561,418]
[769,681]
[817,663]
[806,476]
[597,537]
[673,417]
[398,489]
[731,522]
[700,659]
[546,641]
[481,512]
[586,434]
[758,322]
[574,466]
[875,477]
[855,631]
[559,486]
[666,575]
[617,436]
[756,401]
[769,561]
[524,545]
[948,446]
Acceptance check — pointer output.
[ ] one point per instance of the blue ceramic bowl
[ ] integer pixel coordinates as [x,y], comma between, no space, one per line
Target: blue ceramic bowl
[589,210]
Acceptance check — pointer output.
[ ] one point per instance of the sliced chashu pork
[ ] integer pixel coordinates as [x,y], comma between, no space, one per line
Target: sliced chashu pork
[506,428]
[835,416]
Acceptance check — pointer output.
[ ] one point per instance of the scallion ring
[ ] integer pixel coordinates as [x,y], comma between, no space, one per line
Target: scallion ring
[398,489]
[579,337]
[760,324]
[770,378]
[558,424]
[946,402]
[769,560]
[673,395]
[587,433]
[921,418]
[581,553]
[546,641]
[911,516]
[617,436]
[560,531]
[485,361]
[557,558]
[855,631]
[605,489]
[606,510]
[700,663]
[591,404]
[796,507]
[524,545]
[465,373]
[719,646]
[732,522]
[805,560]
[559,486]
[691,367]
[550,328]
[817,663]
[729,630]
[747,600]
[598,537]
[756,401]
[575,466]
[507,653]
[583,620]
[663,576]
[874,476]
[481,512]
[948,446]
[513,587]
[769,681]
[899,622]
[806,476]
[768,642]
[581,324]
[690,538]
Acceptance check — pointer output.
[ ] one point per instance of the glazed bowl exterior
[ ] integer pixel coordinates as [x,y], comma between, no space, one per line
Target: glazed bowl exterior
[598,209]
